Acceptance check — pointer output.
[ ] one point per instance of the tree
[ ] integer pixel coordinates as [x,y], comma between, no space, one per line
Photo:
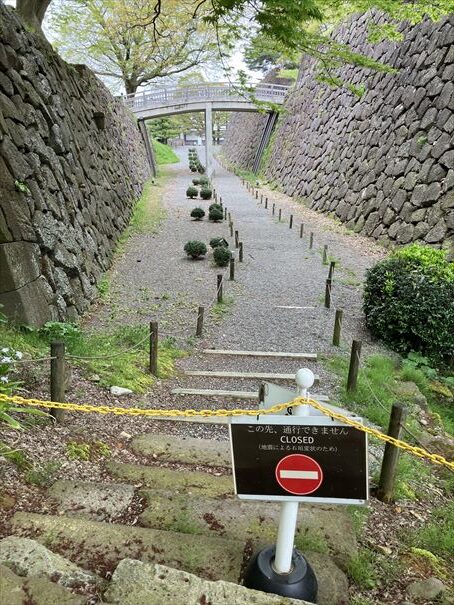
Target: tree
[105,34]
[163,129]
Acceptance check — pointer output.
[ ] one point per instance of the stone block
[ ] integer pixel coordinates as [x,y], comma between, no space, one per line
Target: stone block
[19,265]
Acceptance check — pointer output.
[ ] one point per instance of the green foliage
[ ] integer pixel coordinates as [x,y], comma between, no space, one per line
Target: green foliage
[104,287]
[196,181]
[361,571]
[201,169]
[222,256]
[204,181]
[195,249]
[164,154]
[15,456]
[193,168]
[437,535]
[219,241]
[59,330]
[87,451]
[206,193]
[192,192]
[409,302]
[198,213]
[162,129]
[215,207]
[42,475]
[216,215]
[22,187]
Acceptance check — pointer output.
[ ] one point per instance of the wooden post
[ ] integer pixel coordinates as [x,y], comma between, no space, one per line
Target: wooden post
[311,241]
[325,255]
[57,377]
[261,198]
[242,181]
[240,252]
[337,327]
[219,291]
[231,228]
[230,217]
[328,293]
[154,341]
[391,456]
[266,203]
[354,365]
[236,239]
[199,329]
[225,213]
[220,200]
[274,209]
[232,269]
[290,225]
[261,393]
[331,269]
[301,229]
[256,194]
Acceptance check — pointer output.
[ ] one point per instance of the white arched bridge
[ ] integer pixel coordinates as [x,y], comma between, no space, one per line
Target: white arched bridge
[206,97]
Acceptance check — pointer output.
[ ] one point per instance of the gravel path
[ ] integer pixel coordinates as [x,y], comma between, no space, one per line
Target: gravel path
[277,297]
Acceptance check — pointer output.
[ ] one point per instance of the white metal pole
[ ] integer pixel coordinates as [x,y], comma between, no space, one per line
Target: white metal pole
[289,510]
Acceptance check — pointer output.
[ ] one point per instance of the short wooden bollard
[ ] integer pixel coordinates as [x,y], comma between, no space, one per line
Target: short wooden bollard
[354,365]
[262,392]
[274,209]
[199,328]
[219,291]
[325,255]
[220,200]
[391,456]
[331,269]
[280,213]
[261,198]
[337,327]
[154,342]
[242,181]
[230,217]
[266,203]
[57,377]
[301,229]
[225,213]
[237,239]
[311,241]
[231,228]
[328,294]
[290,224]
[240,252]
[232,269]
[256,194]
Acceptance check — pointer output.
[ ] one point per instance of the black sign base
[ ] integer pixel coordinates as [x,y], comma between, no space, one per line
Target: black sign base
[300,583]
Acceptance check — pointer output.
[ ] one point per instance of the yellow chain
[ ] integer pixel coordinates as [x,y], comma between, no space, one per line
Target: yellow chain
[103,409]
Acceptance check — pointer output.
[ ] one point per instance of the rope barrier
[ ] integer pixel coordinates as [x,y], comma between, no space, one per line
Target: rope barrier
[75,407]
[39,359]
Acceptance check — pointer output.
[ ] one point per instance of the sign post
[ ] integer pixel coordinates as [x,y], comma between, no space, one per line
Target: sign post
[302,457]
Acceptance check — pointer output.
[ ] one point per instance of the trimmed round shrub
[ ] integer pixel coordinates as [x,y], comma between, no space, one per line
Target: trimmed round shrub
[198,213]
[204,180]
[206,193]
[195,249]
[409,302]
[215,207]
[201,169]
[192,192]
[196,181]
[215,215]
[193,168]
[216,242]
[222,256]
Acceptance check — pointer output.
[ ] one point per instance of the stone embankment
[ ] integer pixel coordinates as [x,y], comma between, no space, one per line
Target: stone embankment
[383,163]
[72,163]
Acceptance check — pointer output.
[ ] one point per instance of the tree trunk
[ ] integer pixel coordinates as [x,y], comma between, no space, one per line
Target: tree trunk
[131,87]
[32,12]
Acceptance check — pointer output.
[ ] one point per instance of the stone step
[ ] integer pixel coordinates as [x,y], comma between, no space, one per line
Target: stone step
[16,590]
[188,450]
[217,393]
[137,583]
[173,481]
[319,529]
[260,354]
[98,501]
[243,375]
[101,546]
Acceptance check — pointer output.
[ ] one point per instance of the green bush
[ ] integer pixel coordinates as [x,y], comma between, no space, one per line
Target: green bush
[195,249]
[215,215]
[204,180]
[201,169]
[215,207]
[192,192]
[193,168]
[218,241]
[222,256]
[206,193]
[409,302]
[196,181]
[198,213]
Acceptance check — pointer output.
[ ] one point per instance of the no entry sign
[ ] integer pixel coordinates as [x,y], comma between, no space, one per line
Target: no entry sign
[298,474]
[299,458]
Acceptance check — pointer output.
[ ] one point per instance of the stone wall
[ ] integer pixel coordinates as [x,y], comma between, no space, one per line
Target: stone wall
[383,163]
[72,163]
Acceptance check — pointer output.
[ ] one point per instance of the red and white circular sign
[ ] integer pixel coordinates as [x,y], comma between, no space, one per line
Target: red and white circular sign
[299,475]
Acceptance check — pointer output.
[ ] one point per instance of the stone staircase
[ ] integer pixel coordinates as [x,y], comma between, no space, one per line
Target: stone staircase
[189,520]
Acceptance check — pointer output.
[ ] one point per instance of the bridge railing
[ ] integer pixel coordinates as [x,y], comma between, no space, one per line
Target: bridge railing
[147,99]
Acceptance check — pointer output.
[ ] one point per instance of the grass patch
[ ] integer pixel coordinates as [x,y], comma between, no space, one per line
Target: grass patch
[436,536]
[291,74]
[360,569]
[164,154]
[221,308]
[311,542]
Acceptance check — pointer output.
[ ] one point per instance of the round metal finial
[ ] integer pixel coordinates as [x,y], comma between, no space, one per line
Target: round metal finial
[305,378]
